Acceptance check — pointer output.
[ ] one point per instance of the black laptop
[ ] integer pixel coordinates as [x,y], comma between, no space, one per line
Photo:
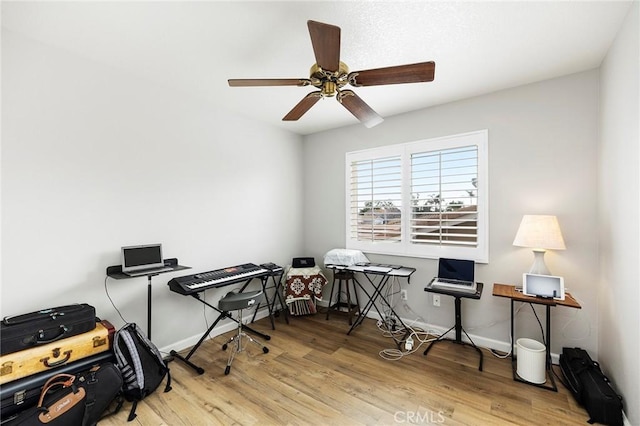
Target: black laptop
[456,275]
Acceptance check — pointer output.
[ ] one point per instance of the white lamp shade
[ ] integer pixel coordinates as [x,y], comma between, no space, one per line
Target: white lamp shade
[539,232]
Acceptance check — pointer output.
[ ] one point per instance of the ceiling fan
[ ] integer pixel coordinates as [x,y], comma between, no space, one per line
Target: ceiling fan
[330,75]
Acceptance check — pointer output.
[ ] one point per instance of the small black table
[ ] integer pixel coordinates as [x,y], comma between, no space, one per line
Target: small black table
[458,295]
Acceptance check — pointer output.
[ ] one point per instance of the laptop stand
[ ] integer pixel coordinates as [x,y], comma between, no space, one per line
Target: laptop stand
[458,311]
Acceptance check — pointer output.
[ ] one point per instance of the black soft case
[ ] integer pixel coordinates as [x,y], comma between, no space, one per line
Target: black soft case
[590,387]
[24,393]
[22,332]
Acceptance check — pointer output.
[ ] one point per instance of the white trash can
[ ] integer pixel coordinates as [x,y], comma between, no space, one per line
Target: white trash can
[530,357]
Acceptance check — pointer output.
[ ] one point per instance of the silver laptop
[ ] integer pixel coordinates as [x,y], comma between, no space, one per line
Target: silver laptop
[455,275]
[143,260]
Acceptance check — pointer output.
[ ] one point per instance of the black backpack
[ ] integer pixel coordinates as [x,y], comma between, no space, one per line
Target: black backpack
[140,363]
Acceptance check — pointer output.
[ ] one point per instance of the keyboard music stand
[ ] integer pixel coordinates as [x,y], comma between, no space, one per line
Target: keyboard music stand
[222,315]
[458,295]
[384,277]
[116,273]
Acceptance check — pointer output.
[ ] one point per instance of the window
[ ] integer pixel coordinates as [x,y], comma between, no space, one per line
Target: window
[423,199]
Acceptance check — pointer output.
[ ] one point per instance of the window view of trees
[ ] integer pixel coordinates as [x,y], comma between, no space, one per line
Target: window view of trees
[448,179]
[379,220]
[443,198]
[424,198]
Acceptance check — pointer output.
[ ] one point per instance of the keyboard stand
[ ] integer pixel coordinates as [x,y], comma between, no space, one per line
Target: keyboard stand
[458,311]
[277,297]
[401,272]
[221,316]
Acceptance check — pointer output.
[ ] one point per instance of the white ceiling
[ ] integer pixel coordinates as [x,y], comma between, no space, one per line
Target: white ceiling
[478,47]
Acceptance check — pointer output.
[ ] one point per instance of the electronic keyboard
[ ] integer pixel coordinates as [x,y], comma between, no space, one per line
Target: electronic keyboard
[190,284]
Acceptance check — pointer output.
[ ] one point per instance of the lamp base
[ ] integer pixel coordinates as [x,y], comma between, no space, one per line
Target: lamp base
[539,267]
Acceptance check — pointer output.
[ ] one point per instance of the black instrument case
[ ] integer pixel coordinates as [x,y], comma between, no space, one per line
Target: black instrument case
[590,387]
[24,393]
[22,332]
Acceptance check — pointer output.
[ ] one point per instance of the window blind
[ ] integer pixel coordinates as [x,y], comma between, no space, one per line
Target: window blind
[427,198]
[444,197]
[376,199]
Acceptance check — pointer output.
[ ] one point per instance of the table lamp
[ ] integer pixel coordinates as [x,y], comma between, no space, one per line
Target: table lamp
[541,233]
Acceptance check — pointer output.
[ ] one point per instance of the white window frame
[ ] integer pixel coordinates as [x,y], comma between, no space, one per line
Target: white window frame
[478,253]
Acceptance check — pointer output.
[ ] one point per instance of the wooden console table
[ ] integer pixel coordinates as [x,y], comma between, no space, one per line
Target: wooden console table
[510,292]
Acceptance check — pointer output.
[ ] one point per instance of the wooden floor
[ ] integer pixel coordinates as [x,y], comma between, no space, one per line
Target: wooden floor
[314,374]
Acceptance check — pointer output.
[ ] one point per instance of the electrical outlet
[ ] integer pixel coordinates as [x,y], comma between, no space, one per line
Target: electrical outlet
[403,294]
[436,300]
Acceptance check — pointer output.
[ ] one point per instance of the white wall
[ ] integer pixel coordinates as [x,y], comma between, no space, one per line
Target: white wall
[93,159]
[542,159]
[619,213]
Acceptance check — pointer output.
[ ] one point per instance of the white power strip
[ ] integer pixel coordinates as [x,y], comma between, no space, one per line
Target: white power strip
[408,344]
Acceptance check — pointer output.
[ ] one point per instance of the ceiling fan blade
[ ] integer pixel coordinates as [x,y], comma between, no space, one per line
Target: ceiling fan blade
[249,82]
[359,108]
[325,39]
[412,73]
[303,106]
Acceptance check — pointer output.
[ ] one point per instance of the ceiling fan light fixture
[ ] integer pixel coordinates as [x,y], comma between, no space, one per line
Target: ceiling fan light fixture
[329,88]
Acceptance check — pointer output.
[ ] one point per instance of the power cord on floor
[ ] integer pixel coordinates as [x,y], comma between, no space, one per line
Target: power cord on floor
[409,339]
[412,342]
[497,354]
[413,336]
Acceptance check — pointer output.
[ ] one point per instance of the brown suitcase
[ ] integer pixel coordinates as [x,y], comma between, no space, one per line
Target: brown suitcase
[24,363]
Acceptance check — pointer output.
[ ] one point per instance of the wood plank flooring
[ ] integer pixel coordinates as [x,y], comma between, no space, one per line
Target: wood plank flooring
[314,374]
